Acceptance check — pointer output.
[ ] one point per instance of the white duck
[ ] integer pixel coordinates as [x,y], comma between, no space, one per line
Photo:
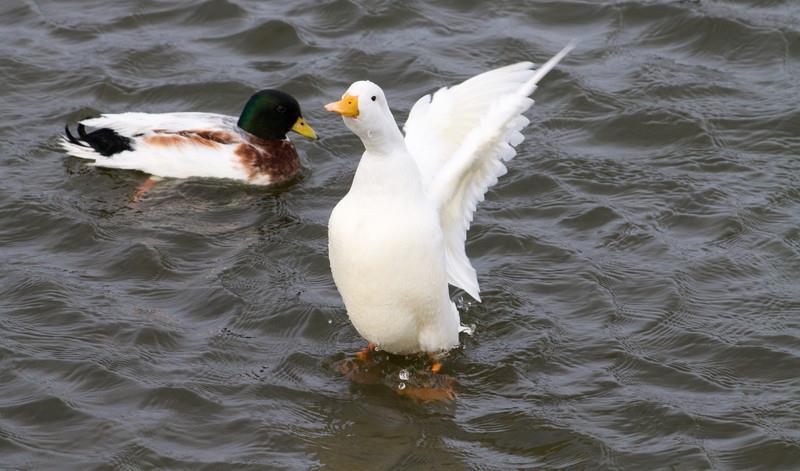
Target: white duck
[397,238]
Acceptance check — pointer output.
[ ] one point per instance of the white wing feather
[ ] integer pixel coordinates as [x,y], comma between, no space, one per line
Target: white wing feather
[460,139]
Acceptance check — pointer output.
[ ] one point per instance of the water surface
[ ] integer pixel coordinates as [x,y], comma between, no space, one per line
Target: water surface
[639,262]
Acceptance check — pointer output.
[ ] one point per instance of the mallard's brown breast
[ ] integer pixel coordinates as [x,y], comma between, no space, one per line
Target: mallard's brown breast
[276,160]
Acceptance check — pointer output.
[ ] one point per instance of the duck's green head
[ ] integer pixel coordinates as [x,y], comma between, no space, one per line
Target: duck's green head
[270,114]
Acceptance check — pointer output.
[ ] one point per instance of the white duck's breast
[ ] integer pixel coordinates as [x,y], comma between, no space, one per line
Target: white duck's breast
[387,260]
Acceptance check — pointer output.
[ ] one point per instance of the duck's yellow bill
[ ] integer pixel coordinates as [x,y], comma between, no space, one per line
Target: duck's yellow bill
[347,106]
[300,127]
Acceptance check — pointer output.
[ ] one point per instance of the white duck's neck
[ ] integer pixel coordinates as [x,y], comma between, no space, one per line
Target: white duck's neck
[386,167]
[383,140]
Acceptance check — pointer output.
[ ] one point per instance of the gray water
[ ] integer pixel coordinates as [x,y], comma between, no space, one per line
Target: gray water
[638,264]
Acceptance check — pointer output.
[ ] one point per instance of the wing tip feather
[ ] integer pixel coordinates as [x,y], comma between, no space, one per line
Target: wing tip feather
[551,63]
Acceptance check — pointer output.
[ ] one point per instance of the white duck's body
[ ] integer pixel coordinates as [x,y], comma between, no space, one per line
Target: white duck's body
[386,250]
[396,240]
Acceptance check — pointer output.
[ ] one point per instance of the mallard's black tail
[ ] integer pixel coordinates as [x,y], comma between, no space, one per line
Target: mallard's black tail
[104,141]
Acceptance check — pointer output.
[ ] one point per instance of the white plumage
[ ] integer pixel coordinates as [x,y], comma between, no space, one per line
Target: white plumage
[397,238]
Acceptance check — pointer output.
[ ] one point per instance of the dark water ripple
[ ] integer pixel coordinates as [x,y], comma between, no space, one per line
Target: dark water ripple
[638,262]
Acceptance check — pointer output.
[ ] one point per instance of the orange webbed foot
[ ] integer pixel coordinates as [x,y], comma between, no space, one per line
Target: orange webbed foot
[363,354]
[437,365]
[420,375]
[144,188]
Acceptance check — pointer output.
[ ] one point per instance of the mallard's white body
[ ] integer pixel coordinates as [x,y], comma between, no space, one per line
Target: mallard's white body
[397,238]
[178,157]
[183,145]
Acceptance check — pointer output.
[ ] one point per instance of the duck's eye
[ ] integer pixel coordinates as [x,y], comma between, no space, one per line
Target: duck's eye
[374,98]
[280,109]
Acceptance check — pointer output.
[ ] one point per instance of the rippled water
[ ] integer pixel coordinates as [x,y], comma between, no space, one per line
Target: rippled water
[639,263]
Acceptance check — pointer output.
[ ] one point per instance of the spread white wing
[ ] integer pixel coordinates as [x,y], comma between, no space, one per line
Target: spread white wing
[460,139]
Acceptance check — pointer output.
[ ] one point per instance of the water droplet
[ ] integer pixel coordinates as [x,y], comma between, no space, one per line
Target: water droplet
[330,321]
[401,386]
[404,375]
[463,303]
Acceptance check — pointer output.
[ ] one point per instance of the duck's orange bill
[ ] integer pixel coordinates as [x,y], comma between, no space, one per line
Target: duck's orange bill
[347,106]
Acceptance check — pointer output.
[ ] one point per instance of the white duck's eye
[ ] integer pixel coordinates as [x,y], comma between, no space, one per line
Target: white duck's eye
[374,98]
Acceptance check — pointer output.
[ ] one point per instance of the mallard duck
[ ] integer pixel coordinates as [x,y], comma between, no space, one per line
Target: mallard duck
[396,240]
[253,148]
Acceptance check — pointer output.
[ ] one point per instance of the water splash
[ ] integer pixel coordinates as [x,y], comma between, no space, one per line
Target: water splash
[404,375]
[468,329]
[463,303]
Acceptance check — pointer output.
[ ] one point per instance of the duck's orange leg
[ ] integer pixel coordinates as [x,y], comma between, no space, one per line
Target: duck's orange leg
[144,188]
[360,369]
[437,365]
[364,352]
